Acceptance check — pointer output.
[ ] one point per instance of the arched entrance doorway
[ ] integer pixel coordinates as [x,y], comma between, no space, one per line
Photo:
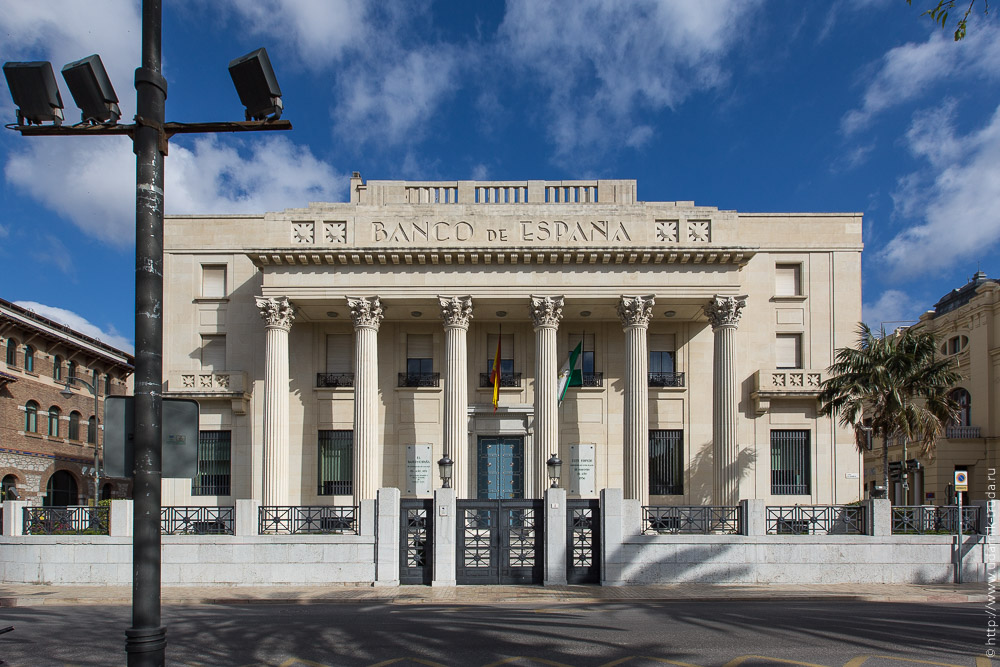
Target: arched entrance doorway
[8,488]
[61,490]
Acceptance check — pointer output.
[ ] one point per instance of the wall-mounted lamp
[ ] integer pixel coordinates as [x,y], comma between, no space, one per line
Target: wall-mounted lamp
[444,469]
[554,466]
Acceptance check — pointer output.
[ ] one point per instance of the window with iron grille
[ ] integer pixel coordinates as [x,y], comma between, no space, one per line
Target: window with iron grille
[666,462]
[790,469]
[336,463]
[214,464]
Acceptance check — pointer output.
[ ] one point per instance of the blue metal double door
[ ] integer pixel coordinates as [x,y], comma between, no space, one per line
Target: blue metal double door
[500,468]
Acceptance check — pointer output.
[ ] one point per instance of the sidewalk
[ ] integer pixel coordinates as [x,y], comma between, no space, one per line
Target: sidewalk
[14,595]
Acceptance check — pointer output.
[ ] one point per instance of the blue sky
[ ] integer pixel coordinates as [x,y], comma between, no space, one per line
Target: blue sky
[755,106]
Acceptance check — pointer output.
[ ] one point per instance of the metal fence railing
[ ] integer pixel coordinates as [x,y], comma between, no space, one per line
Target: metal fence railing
[68,520]
[198,520]
[704,519]
[323,519]
[334,379]
[931,519]
[816,520]
[675,379]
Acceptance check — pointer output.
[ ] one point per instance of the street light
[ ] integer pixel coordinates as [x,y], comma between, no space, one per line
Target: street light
[445,466]
[256,85]
[35,92]
[554,465]
[92,90]
[68,393]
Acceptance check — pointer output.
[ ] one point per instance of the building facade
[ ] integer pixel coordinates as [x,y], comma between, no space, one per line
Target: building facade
[343,347]
[966,324]
[47,439]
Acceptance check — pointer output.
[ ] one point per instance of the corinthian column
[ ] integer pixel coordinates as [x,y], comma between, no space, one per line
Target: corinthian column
[635,312]
[546,312]
[724,314]
[278,315]
[367,316]
[456,311]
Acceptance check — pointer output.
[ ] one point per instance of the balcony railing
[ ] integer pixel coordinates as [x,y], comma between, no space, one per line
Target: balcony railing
[931,519]
[336,488]
[772,383]
[306,519]
[419,379]
[197,520]
[666,379]
[506,380]
[593,379]
[334,379]
[69,520]
[696,519]
[816,520]
[962,432]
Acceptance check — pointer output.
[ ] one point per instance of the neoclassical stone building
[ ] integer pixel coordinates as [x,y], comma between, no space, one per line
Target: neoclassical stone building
[342,347]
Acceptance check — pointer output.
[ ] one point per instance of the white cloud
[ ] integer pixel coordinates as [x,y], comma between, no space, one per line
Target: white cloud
[602,62]
[958,195]
[81,324]
[894,308]
[907,72]
[92,183]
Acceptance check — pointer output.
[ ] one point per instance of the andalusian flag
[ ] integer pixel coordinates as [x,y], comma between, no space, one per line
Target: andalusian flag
[495,376]
[570,375]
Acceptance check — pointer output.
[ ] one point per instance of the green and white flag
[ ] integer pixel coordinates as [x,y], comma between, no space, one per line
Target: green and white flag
[570,374]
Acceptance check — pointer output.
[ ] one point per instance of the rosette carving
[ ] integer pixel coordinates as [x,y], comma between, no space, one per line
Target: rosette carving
[546,311]
[276,312]
[635,310]
[366,312]
[456,311]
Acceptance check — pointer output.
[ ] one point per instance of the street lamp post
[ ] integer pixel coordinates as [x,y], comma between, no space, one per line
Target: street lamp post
[68,393]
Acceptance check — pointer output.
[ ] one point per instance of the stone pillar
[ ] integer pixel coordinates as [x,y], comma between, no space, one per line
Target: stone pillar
[456,311]
[247,517]
[278,316]
[445,525]
[635,312]
[13,517]
[367,316]
[387,538]
[724,314]
[554,572]
[546,312]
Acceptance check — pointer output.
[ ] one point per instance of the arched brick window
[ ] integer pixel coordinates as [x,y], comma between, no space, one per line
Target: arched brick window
[31,417]
[54,421]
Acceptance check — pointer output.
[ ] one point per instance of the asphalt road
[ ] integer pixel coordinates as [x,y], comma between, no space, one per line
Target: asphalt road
[632,634]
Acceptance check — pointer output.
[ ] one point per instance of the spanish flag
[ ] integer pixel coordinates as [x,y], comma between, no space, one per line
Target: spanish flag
[495,377]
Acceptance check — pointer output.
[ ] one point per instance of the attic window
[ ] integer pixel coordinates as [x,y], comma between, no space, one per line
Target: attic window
[954,345]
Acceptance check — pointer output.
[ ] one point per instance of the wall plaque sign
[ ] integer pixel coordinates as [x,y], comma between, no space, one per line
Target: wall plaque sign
[582,469]
[418,469]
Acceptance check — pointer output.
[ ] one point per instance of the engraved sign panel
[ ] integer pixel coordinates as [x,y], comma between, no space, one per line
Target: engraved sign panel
[582,469]
[418,469]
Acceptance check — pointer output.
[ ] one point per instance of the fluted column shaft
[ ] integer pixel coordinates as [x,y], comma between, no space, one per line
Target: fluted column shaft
[278,315]
[635,313]
[546,312]
[367,316]
[456,313]
[724,314]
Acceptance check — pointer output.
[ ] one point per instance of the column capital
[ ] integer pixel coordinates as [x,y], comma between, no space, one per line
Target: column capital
[276,312]
[365,312]
[456,311]
[546,311]
[635,311]
[725,311]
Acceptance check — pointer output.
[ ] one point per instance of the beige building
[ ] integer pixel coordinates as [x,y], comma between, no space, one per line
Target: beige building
[342,347]
[966,324]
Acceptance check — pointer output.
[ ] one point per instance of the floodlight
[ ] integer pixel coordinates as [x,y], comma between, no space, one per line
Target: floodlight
[33,87]
[257,86]
[92,90]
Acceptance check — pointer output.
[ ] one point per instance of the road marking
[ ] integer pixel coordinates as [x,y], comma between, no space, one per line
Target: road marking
[740,660]
[621,661]
[541,661]
[419,661]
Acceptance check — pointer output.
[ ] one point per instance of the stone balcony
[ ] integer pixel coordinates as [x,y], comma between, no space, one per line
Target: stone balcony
[785,383]
[230,385]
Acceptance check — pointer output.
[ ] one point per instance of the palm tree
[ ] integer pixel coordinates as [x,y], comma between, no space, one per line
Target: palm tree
[889,387]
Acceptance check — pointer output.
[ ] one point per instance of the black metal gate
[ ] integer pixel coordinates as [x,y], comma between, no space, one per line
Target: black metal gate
[500,542]
[415,541]
[583,541]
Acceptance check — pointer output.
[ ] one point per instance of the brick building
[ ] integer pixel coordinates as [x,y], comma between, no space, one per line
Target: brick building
[47,440]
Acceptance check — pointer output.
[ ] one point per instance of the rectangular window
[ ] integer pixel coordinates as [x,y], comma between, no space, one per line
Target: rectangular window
[419,354]
[790,469]
[339,357]
[787,280]
[107,385]
[506,352]
[587,359]
[213,281]
[788,351]
[666,463]
[662,370]
[336,463]
[214,464]
[213,353]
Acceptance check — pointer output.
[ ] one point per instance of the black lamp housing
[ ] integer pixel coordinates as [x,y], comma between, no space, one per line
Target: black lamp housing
[92,90]
[554,465]
[35,92]
[256,85]
[445,465]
